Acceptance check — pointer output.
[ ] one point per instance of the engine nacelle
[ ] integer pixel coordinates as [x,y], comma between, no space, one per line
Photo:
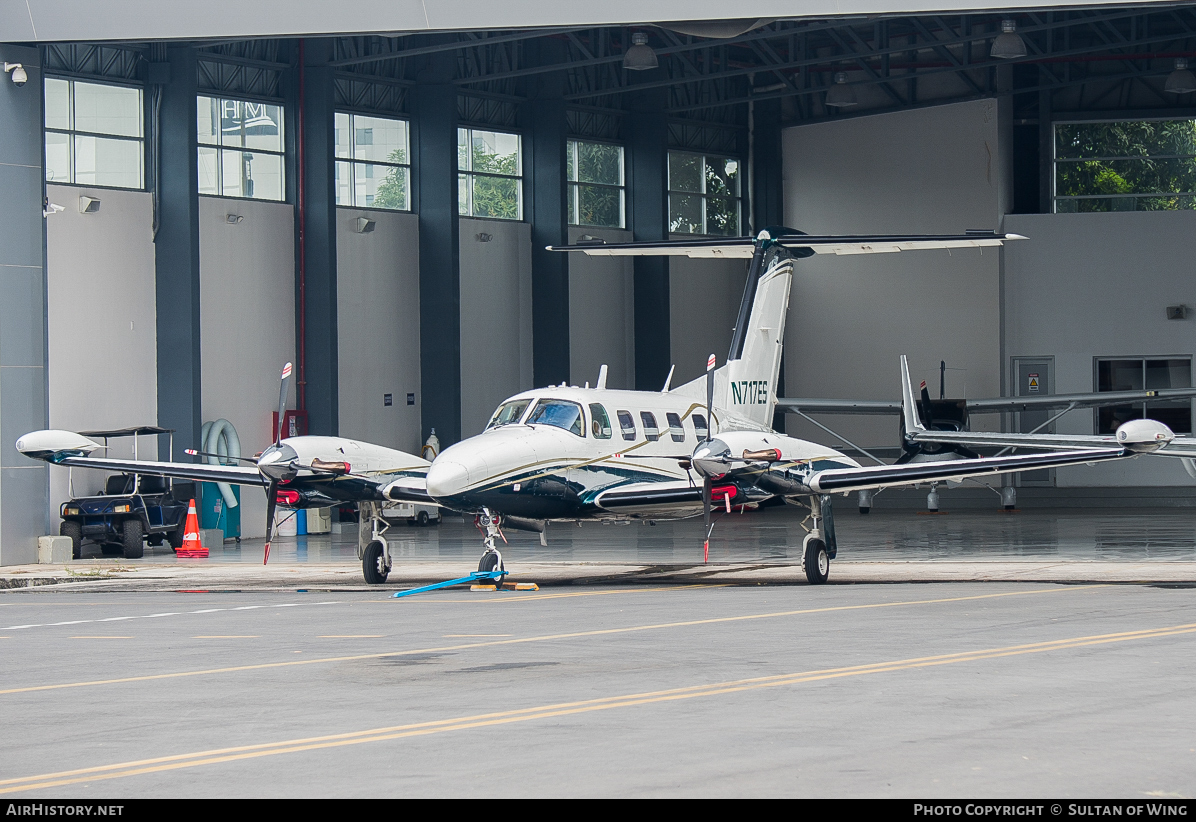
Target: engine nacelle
[46,445]
[1144,435]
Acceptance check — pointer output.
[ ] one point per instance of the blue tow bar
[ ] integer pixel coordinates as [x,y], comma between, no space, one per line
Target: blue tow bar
[474,576]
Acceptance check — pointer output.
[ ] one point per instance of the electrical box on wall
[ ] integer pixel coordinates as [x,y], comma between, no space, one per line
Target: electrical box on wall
[294,424]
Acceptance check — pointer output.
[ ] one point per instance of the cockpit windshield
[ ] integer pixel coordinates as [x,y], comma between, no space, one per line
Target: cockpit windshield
[561,413]
[507,413]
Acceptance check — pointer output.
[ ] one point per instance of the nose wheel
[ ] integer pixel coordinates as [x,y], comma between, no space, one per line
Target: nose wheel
[490,526]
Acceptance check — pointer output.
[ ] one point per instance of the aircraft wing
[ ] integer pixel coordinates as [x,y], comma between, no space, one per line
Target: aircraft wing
[671,498]
[1092,400]
[745,247]
[911,473]
[236,474]
[1178,447]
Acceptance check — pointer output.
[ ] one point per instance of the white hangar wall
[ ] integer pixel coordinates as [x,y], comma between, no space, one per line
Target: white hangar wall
[377,309]
[102,329]
[934,170]
[1097,285]
[247,324]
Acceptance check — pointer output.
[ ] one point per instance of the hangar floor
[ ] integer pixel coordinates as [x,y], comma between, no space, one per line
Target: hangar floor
[775,535]
[951,690]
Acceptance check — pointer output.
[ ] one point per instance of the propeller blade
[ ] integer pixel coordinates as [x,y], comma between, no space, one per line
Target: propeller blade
[710,363]
[195,453]
[271,505]
[282,405]
[706,487]
[926,412]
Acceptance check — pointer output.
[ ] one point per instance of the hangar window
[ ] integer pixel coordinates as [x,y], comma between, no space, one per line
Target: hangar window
[94,134]
[596,192]
[703,194]
[489,174]
[373,162]
[1125,165]
[240,148]
[1140,374]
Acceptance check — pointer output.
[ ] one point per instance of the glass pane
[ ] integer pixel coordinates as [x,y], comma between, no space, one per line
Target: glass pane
[571,161]
[380,186]
[722,216]
[263,175]
[599,163]
[1168,374]
[496,197]
[108,109]
[675,429]
[599,206]
[1131,138]
[105,162]
[495,152]
[340,127]
[260,126]
[685,213]
[722,176]
[508,413]
[380,139]
[559,413]
[209,176]
[463,149]
[650,429]
[463,194]
[700,426]
[58,104]
[344,183]
[571,196]
[208,114]
[1125,177]
[685,172]
[1176,416]
[232,174]
[627,425]
[1119,375]
[58,157]
[599,421]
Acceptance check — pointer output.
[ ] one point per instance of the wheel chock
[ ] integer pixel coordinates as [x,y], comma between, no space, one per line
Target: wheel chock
[483,587]
[520,586]
[494,578]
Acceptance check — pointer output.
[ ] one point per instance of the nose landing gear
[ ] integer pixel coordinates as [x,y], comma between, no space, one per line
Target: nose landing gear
[491,526]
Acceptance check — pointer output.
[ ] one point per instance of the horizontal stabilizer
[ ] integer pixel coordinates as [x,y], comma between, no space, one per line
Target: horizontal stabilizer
[744,247]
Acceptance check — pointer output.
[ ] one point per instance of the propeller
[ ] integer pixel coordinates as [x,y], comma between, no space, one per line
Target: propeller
[707,482]
[272,487]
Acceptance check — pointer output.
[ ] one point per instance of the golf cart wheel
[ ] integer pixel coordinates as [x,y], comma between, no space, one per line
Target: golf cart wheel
[817,562]
[372,564]
[175,537]
[74,530]
[132,534]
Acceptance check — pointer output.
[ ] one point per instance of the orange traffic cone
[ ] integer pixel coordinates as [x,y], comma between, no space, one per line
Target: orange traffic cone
[192,547]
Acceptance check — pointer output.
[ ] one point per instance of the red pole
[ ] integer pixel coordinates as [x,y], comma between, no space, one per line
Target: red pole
[301,386]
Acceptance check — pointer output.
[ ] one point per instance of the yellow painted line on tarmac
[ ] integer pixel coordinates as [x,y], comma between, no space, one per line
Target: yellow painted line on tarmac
[548,637]
[221,755]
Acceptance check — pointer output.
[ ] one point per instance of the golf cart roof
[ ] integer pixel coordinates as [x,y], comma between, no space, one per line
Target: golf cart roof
[128,432]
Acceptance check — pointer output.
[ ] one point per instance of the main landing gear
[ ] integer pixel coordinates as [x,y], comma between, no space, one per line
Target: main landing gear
[819,546]
[490,526]
[372,547]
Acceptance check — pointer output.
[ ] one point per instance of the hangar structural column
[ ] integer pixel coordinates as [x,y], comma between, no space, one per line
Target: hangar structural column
[434,106]
[176,253]
[647,150]
[544,116]
[315,297]
[24,491]
[768,205]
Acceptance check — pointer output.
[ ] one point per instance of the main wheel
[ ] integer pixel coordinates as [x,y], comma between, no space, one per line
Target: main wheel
[817,562]
[74,530]
[132,534]
[421,519]
[373,564]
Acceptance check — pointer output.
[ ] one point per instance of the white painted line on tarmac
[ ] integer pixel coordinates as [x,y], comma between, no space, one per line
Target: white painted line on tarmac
[169,613]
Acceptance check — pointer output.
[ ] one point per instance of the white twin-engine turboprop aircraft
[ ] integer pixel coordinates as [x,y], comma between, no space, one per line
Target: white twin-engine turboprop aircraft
[567,453]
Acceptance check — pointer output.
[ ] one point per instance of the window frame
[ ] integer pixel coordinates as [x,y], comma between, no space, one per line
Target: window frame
[581,415]
[651,432]
[601,429]
[468,175]
[353,162]
[1133,197]
[676,431]
[629,433]
[703,194]
[220,147]
[72,132]
[1142,407]
[572,186]
[700,433]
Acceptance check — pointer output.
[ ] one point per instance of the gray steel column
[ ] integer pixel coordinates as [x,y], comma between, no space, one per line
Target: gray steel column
[176,255]
[647,154]
[24,490]
[544,181]
[317,296]
[434,106]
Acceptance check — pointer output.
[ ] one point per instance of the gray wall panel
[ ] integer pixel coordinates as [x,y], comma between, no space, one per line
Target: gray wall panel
[22,409]
[22,332]
[23,226]
[601,313]
[22,500]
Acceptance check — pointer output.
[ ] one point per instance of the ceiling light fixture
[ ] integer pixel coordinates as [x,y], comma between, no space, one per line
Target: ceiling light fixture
[840,95]
[1009,45]
[640,56]
[1180,81]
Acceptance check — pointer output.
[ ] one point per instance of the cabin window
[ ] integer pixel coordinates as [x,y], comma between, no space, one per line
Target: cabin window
[627,424]
[650,429]
[675,429]
[599,422]
[700,427]
[507,413]
[559,413]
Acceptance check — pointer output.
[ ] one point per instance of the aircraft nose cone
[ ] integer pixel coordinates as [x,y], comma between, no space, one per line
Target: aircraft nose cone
[447,478]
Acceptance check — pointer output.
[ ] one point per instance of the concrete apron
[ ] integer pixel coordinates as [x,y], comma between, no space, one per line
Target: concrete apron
[115,575]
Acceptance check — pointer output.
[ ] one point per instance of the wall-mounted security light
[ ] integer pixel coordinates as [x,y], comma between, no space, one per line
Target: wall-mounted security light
[1180,81]
[1009,45]
[364,225]
[640,56]
[483,237]
[19,76]
[233,219]
[1177,312]
[840,95]
[89,205]
[52,208]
